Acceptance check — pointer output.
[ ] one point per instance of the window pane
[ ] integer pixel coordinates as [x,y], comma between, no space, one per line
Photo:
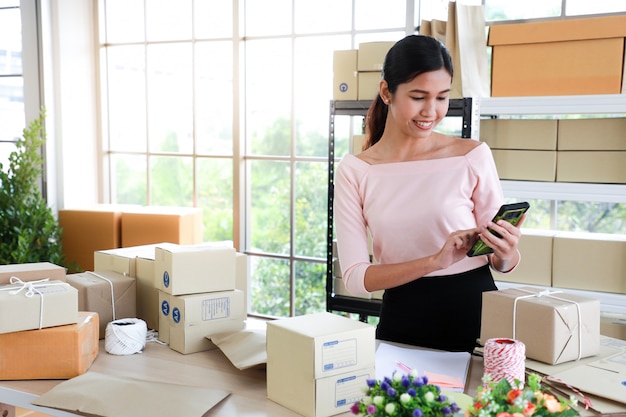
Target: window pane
[591,217]
[124,21]
[170,111]
[514,10]
[311,209]
[213,19]
[214,98]
[215,197]
[168,20]
[269,286]
[377,37]
[313,91]
[372,14]
[126,94]
[322,16]
[10,42]
[269,226]
[584,7]
[171,179]
[129,179]
[12,118]
[310,287]
[268,97]
[268,17]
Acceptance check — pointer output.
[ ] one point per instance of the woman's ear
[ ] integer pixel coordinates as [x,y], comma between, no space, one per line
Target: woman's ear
[384,92]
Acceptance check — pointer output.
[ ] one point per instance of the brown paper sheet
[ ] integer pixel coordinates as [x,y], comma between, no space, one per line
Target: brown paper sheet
[245,348]
[110,396]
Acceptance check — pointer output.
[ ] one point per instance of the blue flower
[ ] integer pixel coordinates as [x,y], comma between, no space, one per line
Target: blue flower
[418,413]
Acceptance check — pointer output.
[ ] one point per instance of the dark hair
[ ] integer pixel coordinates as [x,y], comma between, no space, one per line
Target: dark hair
[407,58]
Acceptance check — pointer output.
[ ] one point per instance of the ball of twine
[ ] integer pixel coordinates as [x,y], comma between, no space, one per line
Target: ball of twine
[125,336]
[505,359]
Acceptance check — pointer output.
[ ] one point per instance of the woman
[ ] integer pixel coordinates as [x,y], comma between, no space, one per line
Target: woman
[425,198]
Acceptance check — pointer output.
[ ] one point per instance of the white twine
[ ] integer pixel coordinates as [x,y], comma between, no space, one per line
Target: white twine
[125,336]
[548,293]
[30,288]
[112,292]
[505,359]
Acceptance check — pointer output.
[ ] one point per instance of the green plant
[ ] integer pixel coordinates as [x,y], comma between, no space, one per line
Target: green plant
[29,231]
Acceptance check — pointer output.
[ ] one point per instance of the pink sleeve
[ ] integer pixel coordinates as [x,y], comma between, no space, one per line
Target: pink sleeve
[351,230]
[487,195]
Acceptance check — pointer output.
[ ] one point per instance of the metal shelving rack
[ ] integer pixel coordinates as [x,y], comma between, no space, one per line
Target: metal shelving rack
[462,107]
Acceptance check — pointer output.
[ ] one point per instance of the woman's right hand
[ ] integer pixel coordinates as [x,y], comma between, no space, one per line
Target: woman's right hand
[456,246]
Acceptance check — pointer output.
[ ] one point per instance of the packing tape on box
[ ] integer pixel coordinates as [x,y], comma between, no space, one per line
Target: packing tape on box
[505,359]
[125,336]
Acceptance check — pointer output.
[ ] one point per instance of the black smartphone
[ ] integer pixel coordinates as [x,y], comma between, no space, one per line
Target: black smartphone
[512,213]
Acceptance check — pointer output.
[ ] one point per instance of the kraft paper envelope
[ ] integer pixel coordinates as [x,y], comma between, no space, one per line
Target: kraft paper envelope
[245,348]
[111,396]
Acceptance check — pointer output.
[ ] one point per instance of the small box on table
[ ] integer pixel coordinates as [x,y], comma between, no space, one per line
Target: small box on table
[556,327]
[317,364]
[37,305]
[31,272]
[113,296]
[59,352]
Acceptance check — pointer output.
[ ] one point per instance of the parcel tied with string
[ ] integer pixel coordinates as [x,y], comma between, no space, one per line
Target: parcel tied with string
[37,305]
[555,326]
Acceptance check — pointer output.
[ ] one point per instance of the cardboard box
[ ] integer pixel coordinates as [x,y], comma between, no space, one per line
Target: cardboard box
[122,260]
[148,225]
[357,144]
[371,55]
[193,339]
[52,303]
[164,317]
[113,296]
[590,261]
[242,274]
[593,166]
[560,57]
[87,230]
[556,327]
[535,267]
[525,165]
[369,85]
[345,79]
[528,134]
[32,272]
[308,350]
[608,134]
[193,269]
[37,354]
[218,310]
[147,294]
[613,325]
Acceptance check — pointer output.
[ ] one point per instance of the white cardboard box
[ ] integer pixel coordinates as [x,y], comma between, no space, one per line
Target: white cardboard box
[306,352]
[193,269]
[217,308]
[195,338]
[164,316]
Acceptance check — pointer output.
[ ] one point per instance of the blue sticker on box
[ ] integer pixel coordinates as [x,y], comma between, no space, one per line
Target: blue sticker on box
[166,279]
[176,315]
[343,87]
[165,308]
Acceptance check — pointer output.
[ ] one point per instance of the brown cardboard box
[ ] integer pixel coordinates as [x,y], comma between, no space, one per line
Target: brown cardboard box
[608,134]
[613,325]
[371,55]
[345,79]
[555,327]
[87,230]
[560,57]
[112,295]
[369,85]
[593,166]
[525,165]
[535,267]
[590,261]
[528,134]
[60,352]
[164,316]
[32,272]
[37,306]
[148,225]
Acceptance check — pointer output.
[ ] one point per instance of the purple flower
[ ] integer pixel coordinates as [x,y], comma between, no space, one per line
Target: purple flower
[425,379]
[455,408]
[406,381]
[391,392]
[442,399]
[355,408]
[418,412]
[371,383]
[371,409]
[384,385]
[418,381]
[411,392]
[445,410]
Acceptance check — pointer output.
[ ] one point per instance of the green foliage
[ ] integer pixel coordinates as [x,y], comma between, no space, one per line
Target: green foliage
[29,232]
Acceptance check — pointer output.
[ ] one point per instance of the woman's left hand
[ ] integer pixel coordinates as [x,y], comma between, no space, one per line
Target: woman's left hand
[505,255]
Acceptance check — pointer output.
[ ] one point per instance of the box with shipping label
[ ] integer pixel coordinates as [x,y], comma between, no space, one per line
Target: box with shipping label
[32,272]
[561,57]
[312,347]
[369,85]
[527,134]
[59,352]
[149,225]
[164,317]
[37,305]
[535,267]
[113,296]
[345,75]
[590,261]
[609,134]
[86,230]
[242,274]
[593,166]
[513,164]
[216,308]
[371,55]
[193,269]
[554,326]
[147,294]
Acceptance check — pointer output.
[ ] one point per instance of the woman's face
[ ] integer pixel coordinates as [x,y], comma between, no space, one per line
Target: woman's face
[420,104]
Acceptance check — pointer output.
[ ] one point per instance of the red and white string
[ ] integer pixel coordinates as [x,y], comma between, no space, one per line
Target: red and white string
[505,359]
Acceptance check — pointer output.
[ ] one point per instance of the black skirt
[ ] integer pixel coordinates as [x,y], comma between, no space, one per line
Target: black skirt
[436,312]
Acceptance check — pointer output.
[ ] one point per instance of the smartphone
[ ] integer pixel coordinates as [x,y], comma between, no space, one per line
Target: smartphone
[512,213]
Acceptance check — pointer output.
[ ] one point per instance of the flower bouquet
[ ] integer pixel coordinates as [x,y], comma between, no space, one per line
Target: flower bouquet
[506,400]
[404,395]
